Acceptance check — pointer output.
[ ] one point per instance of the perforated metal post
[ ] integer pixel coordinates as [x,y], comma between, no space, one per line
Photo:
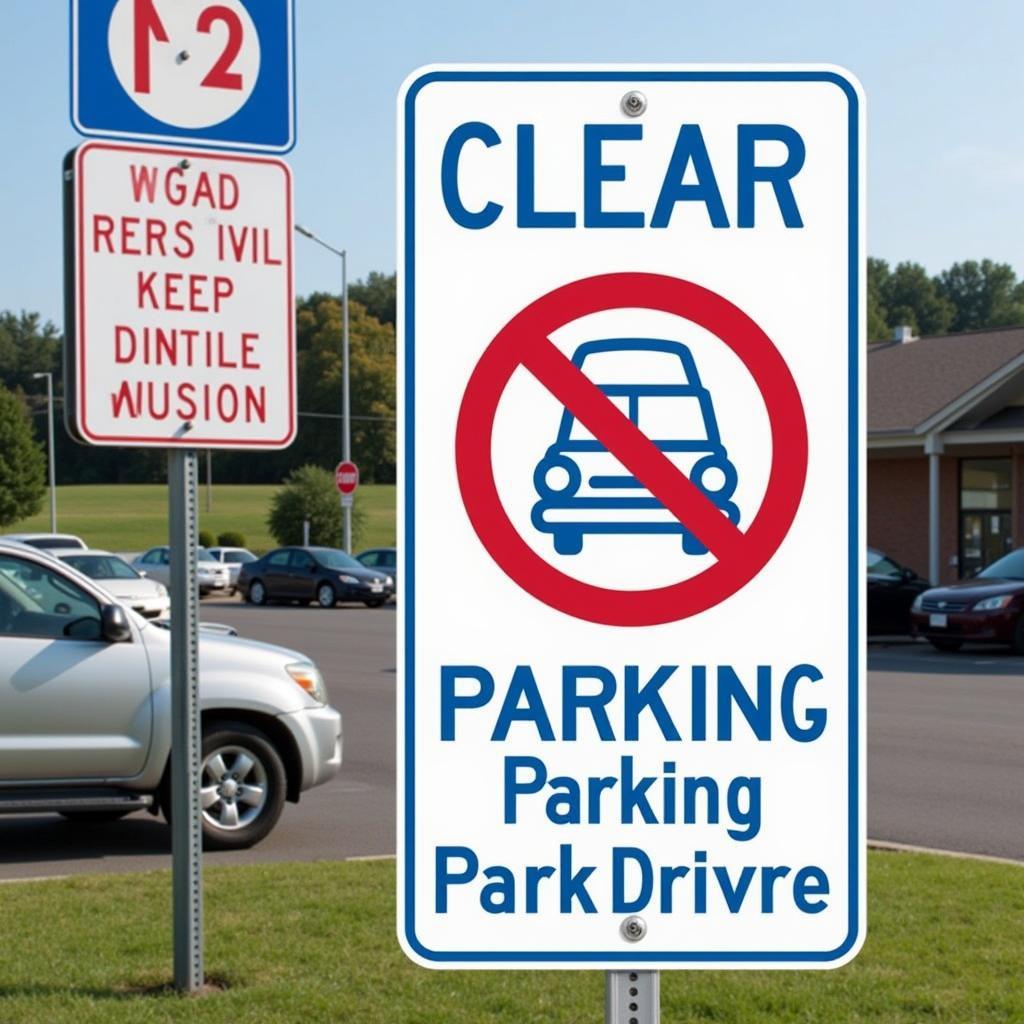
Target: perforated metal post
[632,997]
[186,822]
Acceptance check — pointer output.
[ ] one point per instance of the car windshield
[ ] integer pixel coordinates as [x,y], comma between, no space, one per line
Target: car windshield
[879,565]
[202,555]
[54,543]
[334,559]
[671,418]
[1009,567]
[102,567]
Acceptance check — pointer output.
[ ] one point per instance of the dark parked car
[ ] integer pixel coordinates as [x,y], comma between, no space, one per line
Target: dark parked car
[383,560]
[986,609]
[892,589]
[324,575]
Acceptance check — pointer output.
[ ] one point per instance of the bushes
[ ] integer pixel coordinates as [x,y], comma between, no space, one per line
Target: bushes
[310,493]
[231,539]
[205,539]
[22,463]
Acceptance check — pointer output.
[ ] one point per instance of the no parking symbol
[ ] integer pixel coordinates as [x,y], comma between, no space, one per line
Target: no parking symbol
[524,341]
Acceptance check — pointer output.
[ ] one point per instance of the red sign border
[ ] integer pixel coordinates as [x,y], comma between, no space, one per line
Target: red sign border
[189,440]
[475,470]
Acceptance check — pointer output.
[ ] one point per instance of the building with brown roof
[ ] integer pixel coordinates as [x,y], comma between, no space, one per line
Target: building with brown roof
[946,449]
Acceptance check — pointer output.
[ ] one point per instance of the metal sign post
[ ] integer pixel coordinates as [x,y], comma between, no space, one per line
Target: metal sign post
[186,815]
[632,997]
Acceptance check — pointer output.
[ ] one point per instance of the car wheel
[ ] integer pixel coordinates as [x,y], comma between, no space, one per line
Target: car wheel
[941,644]
[325,596]
[376,603]
[692,546]
[93,817]
[257,592]
[242,787]
[568,542]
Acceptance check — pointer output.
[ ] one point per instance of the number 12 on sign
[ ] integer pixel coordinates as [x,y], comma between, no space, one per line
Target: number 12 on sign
[219,73]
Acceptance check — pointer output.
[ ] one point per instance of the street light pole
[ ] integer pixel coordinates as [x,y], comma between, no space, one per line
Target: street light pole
[346,415]
[51,454]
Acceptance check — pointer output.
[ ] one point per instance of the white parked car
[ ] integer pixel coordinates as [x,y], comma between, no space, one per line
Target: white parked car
[210,574]
[131,588]
[234,559]
[85,723]
[48,541]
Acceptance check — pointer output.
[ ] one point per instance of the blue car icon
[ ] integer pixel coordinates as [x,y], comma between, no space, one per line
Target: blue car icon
[583,487]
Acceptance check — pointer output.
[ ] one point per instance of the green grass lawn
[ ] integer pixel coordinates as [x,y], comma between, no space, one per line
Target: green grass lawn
[315,942]
[132,517]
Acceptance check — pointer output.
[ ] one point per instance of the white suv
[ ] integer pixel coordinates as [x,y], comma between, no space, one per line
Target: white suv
[85,725]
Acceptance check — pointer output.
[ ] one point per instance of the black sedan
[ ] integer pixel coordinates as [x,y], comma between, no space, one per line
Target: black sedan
[323,575]
[384,560]
[987,609]
[892,589]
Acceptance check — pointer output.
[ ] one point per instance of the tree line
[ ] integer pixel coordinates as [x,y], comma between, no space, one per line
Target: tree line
[969,295]
[29,346]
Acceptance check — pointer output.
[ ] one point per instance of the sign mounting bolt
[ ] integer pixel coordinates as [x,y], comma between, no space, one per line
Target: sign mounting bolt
[184,164]
[183,56]
[634,103]
[633,928]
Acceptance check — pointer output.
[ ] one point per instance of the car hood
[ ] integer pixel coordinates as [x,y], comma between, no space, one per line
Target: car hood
[217,649]
[976,589]
[128,590]
[362,573]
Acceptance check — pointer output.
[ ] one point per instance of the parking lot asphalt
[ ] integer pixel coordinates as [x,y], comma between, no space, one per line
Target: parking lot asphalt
[946,748]
[945,754]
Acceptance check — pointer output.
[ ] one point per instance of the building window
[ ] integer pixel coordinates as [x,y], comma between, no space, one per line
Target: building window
[986,531]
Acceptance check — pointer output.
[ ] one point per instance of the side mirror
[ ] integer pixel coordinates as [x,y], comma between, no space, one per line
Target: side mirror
[115,625]
[908,575]
[141,572]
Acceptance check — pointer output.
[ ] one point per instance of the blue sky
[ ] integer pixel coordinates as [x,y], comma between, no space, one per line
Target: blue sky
[944,83]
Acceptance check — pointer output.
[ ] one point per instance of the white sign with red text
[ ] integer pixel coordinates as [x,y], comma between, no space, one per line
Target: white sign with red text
[184,299]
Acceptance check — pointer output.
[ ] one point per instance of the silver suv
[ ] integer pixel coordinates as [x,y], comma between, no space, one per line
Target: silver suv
[85,726]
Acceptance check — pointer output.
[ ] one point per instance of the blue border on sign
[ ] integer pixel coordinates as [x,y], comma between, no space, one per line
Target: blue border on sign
[636,957]
[242,124]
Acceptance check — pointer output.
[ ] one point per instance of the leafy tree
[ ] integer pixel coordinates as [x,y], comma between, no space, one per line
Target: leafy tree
[26,346]
[911,297]
[907,296]
[371,386]
[22,463]
[878,320]
[310,493]
[377,294]
[984,294]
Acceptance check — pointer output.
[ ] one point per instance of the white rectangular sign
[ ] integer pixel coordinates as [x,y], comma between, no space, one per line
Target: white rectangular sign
[182,299]
[631,336]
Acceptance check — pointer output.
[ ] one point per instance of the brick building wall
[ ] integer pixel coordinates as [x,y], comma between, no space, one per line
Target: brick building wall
[897,502]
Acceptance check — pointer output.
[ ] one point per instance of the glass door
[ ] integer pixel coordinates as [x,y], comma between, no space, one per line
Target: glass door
[986,532]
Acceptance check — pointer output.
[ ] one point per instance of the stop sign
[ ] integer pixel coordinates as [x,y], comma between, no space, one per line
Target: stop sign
[346,477]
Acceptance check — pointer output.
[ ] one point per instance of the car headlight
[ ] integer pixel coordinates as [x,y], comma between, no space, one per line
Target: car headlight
[307,675]
[918,602]
[991,604]
[388,581]
[161,590]
[348,579]
[556,475]
[715,475]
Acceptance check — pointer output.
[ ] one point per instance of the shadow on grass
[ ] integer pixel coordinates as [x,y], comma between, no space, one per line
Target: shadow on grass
[216,984]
